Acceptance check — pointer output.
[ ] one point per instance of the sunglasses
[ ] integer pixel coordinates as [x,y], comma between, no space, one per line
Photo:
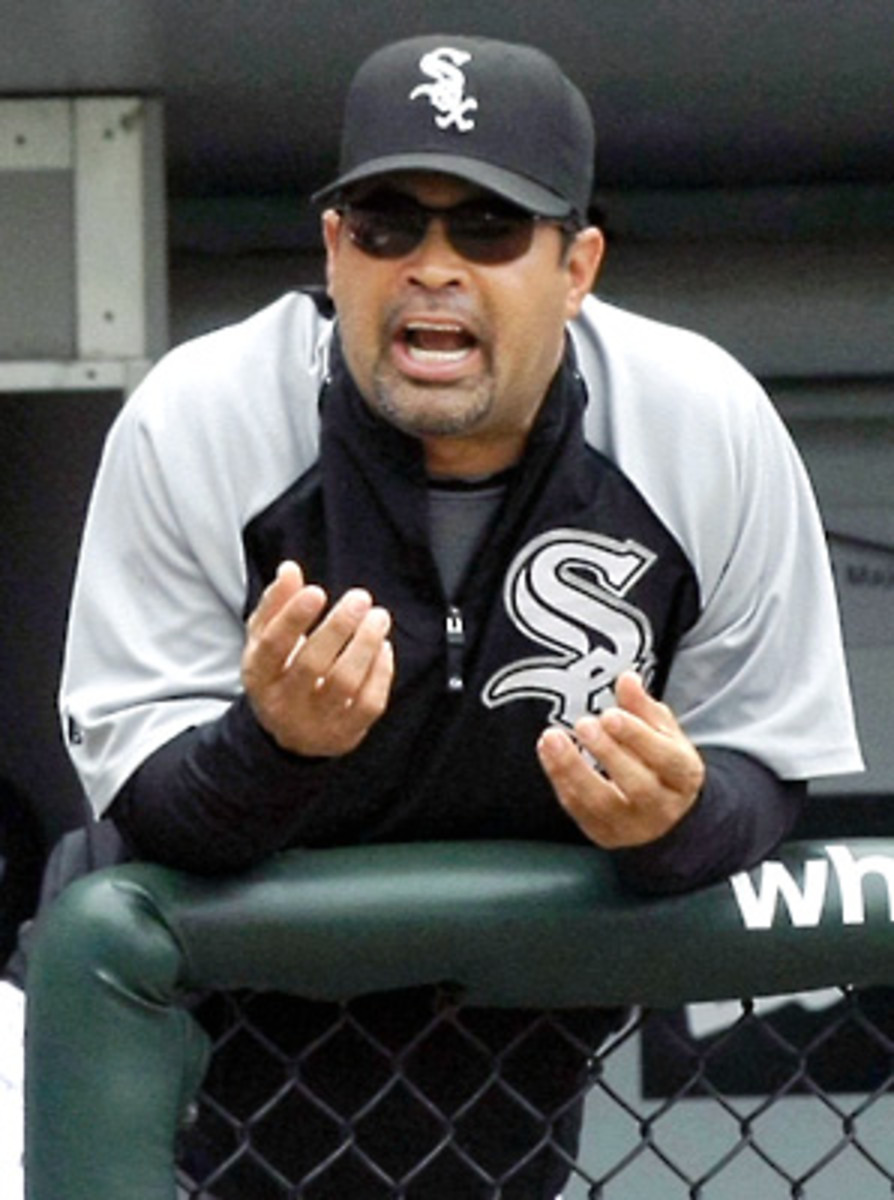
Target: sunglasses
[486,230]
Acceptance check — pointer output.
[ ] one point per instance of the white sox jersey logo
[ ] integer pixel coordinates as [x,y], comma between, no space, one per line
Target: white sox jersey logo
[447,93]
[565,590]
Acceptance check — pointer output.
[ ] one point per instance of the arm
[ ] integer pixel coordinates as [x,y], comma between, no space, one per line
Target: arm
[763,669]
[675,817]
[156,631]
[225,795]
[759,683]
[741,815]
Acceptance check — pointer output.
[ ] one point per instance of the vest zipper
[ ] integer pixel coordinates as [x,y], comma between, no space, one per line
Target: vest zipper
[456,644]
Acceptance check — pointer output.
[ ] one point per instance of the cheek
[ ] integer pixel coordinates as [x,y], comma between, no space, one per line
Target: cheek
[352,288]
[352,336]
[360,348]
[537,332]
[359,316]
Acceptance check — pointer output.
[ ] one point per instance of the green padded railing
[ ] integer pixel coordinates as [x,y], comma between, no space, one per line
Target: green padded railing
[113,1059]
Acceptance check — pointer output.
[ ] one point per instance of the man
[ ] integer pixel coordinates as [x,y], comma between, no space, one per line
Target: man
[515,564]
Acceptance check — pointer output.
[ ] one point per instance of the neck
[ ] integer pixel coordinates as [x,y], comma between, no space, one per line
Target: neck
[471,458]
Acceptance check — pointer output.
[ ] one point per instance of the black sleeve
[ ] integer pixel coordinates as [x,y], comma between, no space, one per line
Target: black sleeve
[743,812]
[220,797]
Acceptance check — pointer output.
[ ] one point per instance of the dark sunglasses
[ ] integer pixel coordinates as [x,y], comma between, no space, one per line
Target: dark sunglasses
[486,230]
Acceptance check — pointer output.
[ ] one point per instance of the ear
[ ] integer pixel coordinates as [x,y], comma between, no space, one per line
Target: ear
[584,258]
[331,226]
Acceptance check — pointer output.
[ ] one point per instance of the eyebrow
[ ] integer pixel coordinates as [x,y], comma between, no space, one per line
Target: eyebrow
[479,201]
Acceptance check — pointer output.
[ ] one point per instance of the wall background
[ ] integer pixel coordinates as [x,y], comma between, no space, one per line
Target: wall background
[745,175]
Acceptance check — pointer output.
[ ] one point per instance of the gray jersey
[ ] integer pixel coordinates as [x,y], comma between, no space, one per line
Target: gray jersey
[225,424]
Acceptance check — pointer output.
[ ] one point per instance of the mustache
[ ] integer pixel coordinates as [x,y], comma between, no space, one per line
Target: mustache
[448,308]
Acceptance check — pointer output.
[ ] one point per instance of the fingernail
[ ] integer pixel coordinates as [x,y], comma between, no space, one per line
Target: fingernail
[382,618]
[358,602]
[612,722]
[589,728]
[549,746]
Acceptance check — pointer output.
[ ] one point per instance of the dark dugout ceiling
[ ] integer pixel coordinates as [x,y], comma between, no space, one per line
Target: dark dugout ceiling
[686,93]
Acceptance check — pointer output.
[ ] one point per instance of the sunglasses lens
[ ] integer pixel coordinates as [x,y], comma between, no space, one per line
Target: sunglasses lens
[381,233]
[490,236]
[486,233]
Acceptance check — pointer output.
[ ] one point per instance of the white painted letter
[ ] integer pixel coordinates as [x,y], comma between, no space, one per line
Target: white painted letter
[758,905]
[851,873]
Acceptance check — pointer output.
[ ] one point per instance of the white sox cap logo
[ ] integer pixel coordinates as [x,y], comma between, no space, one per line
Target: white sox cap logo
[447,93]
[565,591]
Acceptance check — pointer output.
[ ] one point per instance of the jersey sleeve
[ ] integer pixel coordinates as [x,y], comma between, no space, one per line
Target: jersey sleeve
[762,671]
[155,629]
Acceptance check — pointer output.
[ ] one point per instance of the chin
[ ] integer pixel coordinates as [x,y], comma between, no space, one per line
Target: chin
[432,410]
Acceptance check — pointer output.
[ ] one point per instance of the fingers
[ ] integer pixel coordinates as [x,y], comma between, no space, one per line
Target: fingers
[632,697]
[279,625]
[340,681]
[636,756]
[640,743]
[288,582]
[345,662]
[317,680]
[341,649]
[593,801]
[647,773]
[372,697]
[572,774]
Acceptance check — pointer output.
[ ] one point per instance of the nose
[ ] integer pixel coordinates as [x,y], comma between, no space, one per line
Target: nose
[435,263]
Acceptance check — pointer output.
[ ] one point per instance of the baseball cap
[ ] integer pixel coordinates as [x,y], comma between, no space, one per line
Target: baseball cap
[496,114]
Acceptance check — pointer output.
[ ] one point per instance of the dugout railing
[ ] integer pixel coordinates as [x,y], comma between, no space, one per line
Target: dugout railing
[116,1057]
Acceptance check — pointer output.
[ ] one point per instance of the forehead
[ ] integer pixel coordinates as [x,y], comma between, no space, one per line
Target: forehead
[428,187]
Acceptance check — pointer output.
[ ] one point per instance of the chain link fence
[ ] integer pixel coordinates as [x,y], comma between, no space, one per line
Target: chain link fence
[412,1091]
[777,1099]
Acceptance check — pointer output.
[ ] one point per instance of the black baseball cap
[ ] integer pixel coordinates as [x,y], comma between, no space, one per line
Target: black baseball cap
[496,114]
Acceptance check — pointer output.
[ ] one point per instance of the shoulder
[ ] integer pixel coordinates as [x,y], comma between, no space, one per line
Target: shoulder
[279,351]
[633,362]
[686,422]
[235,408]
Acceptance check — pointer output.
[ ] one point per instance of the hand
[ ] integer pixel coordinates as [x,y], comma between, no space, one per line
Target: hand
[650,776]
[317,683]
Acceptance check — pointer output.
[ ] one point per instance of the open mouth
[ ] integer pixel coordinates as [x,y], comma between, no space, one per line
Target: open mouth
[436,342]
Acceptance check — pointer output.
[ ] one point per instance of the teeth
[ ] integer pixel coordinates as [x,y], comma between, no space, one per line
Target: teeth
[432,356]
[433,327]
[437,341]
